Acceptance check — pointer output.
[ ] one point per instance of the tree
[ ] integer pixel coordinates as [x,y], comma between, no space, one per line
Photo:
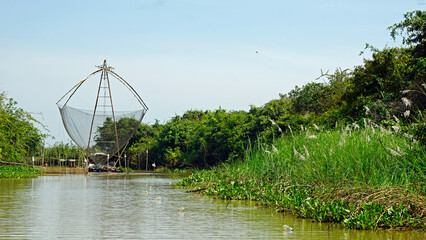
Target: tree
[106,137]
[379,82]
[413,31]
[18,135]
[142,141]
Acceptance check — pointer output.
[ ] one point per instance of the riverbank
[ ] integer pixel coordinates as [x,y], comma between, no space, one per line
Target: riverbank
[19,171]
[63,170]
[367,178]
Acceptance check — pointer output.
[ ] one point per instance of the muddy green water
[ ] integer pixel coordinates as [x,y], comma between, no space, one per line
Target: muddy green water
[138,206]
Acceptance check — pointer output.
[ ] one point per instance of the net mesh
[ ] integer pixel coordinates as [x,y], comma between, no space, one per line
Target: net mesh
[106,128]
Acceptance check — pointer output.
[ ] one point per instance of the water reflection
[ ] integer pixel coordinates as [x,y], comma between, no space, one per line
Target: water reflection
[145,207]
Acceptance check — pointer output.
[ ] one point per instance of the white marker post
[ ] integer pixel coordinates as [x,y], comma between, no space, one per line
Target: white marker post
[85,167]
[33,164]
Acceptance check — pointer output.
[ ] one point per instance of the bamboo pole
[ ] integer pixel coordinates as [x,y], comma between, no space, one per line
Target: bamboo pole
[113,117]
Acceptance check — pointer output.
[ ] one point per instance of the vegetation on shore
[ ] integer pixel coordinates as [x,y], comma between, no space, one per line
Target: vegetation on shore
[389,85]
[19,136]
[18,172]
[365,177]
[358,156]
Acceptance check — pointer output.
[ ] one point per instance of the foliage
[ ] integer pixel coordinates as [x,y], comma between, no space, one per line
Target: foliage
[377,90]
[18,171]
[125,170]
[201,139]
[413,31]
[64,150]
[374,156]
[18,135]
[379,82]
[139,145]
[365,178]
[109,133]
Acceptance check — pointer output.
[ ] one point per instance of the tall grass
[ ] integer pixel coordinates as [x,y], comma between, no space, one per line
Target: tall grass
[365,178]
[370,155]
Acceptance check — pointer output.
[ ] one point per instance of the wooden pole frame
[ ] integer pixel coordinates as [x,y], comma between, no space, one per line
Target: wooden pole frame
[105,71]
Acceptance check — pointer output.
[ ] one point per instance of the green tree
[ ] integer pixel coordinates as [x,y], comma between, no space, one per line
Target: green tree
[106,137]
[64,150]
[141,142]
[413,31]
[18,135]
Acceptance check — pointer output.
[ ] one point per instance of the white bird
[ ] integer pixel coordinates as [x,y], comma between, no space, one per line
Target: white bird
[153,165]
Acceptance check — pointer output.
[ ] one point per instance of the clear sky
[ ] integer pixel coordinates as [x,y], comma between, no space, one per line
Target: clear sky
[184,54]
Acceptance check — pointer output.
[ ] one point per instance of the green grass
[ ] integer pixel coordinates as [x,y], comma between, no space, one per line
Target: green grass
[364,178]
[18,172]
[373,156]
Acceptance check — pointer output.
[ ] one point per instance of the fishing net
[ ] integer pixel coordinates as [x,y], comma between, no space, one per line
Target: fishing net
[101,114]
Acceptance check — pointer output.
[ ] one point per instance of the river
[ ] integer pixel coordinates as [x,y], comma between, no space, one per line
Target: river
[146,206]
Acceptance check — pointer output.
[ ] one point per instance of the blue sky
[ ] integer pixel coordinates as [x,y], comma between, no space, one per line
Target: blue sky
[183,54]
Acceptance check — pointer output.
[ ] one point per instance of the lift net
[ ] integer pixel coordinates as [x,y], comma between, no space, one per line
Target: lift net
[98,122]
